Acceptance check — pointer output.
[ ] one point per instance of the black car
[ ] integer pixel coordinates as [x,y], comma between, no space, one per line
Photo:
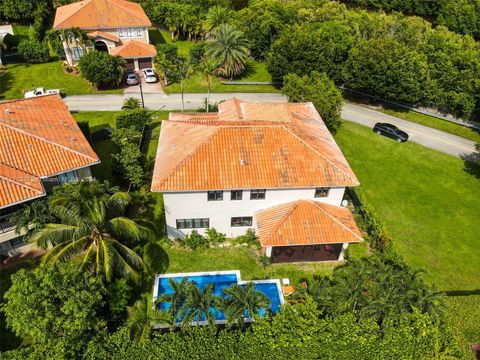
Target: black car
[390,131]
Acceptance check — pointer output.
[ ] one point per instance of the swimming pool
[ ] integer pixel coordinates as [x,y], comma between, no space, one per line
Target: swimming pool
[221,279]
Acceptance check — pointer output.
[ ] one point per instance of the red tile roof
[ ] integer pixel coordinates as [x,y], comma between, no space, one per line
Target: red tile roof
[246,146]
[105,35]
[306,222]
[100,14]
[134,49]
[38,138]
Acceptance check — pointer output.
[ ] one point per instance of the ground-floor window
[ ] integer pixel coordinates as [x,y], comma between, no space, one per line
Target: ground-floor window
[242,221]
[198,223]
[77,53]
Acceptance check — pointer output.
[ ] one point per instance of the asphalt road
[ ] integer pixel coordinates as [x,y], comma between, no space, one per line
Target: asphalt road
[423,135]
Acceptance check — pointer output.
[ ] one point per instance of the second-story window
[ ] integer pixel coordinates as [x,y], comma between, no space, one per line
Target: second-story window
[139,32]
[122,32]
[215,196]
[236,195]
[130,32]
[321,192]
[257,194]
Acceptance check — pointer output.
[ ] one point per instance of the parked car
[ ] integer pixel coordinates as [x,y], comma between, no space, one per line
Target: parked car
[390,131]
[149,75]
[40,92]
[132,79]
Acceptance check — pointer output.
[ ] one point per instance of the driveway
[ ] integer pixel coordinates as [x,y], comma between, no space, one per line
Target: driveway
[148,88]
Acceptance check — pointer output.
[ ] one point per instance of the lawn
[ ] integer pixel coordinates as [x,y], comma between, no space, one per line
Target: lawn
[427,201]
[21,77]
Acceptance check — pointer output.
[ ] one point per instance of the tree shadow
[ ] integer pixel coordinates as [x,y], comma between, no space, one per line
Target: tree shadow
[472,163]
[156,37]
[6,82]
[462,292]
[250,69]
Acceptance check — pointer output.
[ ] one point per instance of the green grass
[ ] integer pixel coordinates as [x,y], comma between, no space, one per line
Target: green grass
[427,201]
[462,315]
[21,77]
[243,259]
[433,122]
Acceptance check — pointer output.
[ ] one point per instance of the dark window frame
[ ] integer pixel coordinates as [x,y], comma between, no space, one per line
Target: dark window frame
[236,196]
[215,195]
[258,194]
[321,192]
[241,221]
[193,223]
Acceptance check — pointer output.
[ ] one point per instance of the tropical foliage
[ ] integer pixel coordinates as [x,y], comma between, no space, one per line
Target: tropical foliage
[131,103]
[102,69]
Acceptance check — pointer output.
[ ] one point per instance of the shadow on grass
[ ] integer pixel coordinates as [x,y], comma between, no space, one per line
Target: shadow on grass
[156,37]
[6,81]
[462,292]
[472,163]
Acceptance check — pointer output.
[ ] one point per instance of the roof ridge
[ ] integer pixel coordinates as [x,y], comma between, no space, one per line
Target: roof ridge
[287,128]
[47,141]
[289,212]
[20,183]
[75,12]
[189,156]
[326,212]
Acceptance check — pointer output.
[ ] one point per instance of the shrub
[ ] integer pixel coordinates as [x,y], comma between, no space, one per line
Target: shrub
[249,238]
[170,51]
[196,53]
[34,51]
[135,118]
[101,68]
[264,260]
[195,241]
[214,237]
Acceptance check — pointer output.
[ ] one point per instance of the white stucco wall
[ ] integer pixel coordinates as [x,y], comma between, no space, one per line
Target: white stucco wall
[189,205]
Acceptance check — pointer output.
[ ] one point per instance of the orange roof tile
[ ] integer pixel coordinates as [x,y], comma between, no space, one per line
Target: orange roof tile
[100,14]
[38,138]
[133,49]
[262,146]
[105,35]
[306,222]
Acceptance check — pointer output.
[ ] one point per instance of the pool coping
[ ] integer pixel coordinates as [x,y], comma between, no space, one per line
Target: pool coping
[223,272]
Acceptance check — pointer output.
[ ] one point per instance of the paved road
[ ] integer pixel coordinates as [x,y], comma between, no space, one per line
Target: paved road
[423,135]
[434,139]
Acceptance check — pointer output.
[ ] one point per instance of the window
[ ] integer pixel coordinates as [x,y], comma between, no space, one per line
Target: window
[258,194]
[77,53]
[67,177]
[139,32]
[321,192]
[130,32]
[215,195]
[242,221]
[193,223]
[121,32]
[236,194]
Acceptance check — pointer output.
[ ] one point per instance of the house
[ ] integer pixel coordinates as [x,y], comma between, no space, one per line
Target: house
[118,27]
[271,167]
[41,146]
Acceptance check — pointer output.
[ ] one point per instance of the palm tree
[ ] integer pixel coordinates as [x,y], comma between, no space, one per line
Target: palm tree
[163,65]
[229,48]
[199,303]
[177,300]
[208,68]
[131,103]
[93,229]
[216,16]
[142,317]
[184,70]
[241,301]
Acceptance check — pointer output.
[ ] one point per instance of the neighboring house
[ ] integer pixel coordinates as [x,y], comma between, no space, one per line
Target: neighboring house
[118,27]
[41,146]
[272,167]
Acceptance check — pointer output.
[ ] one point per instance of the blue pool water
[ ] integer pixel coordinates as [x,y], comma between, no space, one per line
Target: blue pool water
[221,281]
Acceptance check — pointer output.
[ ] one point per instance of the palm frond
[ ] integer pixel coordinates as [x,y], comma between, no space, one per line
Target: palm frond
[53,234]
[126,229]
[71,250]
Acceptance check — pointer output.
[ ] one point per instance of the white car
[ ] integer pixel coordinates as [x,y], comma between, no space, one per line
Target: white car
[149,75]
[40,92]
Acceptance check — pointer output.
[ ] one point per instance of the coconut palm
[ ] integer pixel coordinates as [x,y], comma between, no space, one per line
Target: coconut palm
[229,48]
[163,65]
[216,16]
[142,317]
[243,301]
[208,68]
[93,230]
[177,300]
[200,303]
[183,70]
[131,103]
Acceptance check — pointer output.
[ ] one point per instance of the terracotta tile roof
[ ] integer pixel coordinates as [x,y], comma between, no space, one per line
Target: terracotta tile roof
[133,49]
[306,222]
[100,14]
[38,138]
[262,146]
[105,35]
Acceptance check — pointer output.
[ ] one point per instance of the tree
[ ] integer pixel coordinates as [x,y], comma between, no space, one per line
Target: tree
[208,68]
[321,91]
[142,316]
[55,308]
[136,118]
[2,46]
[34,51]
[131,103]
[201,304]
[93,230]
[23,10]
[102,69]
[128,159]
[183,71]
[243,301]
[177,299]
[166,60]
[32,217]
[216,16]
[229,48]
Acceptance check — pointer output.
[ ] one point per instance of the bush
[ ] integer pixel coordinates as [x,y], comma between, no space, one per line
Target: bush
[249,238]
[101,68]
[136,118]
[214,237]
[264,260]
[196,53]
[170,51]
[195,241]
[34,51]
